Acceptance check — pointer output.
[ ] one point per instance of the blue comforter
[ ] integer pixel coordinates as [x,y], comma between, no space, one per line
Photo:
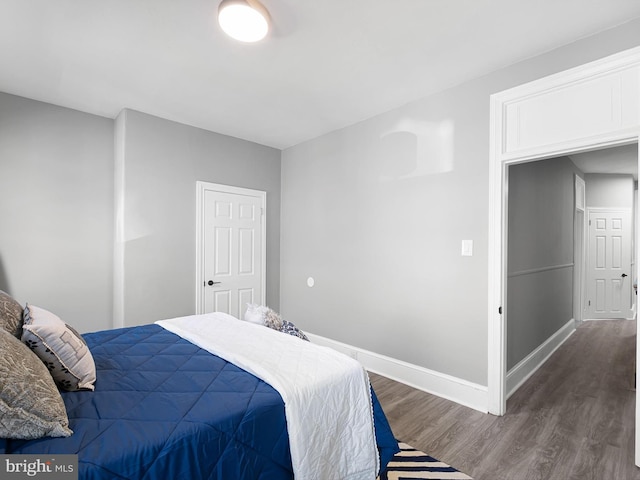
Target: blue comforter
[164,408]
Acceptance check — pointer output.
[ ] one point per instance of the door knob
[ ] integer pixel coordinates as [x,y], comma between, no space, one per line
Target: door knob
[211,282]
[624,275]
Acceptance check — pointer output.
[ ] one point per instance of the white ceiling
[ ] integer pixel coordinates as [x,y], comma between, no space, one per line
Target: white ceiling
[326,65]
[617,160]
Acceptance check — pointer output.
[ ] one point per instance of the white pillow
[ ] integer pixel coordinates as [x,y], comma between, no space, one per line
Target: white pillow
[255,313]
[60,347]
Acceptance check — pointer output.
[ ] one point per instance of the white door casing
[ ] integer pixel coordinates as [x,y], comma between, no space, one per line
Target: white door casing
[594,106]
[609,275]
[579,256]
[230,248]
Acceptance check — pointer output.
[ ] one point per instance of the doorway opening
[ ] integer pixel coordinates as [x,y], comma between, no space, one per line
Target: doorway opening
[555,270]
[590,107]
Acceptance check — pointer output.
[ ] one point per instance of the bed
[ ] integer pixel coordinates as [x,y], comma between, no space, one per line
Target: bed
[163,407]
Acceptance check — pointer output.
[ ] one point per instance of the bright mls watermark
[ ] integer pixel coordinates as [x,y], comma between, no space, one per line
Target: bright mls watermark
[50,467]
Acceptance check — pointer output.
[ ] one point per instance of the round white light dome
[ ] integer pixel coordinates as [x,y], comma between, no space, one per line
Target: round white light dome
[240,20]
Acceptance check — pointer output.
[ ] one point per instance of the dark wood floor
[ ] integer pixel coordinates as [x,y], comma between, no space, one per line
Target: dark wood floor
[573,419]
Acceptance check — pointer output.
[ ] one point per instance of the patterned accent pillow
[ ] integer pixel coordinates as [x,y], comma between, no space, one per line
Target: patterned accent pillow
[291,329]
[10,315]
[272,319]
[61,349]
[30,403]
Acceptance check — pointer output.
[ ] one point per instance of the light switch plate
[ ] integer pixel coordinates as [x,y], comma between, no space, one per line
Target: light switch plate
[467,248]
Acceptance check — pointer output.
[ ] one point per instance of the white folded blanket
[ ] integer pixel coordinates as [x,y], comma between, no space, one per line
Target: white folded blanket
[326,394]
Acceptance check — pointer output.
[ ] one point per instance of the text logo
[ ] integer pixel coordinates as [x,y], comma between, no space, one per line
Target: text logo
[49,467]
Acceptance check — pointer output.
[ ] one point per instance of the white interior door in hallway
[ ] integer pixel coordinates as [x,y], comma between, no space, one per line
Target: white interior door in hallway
[232,251]
[609,274]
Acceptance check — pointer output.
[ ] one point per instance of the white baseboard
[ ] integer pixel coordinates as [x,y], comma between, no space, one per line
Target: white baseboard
[446,386]
[532,362]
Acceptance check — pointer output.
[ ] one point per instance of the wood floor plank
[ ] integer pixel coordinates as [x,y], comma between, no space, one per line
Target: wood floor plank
[573,419]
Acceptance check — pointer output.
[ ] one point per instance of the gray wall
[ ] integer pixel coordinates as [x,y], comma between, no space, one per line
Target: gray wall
[56,210]
[609,190]
[540,253]
[57,201]
[376,213]
[158,164]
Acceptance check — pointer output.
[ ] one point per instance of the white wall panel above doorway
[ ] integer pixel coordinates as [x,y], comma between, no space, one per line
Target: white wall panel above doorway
[547,117]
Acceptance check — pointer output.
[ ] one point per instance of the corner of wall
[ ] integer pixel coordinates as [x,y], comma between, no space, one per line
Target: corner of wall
[119,202]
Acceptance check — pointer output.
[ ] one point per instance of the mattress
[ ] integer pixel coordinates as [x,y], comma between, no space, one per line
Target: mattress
[165,408]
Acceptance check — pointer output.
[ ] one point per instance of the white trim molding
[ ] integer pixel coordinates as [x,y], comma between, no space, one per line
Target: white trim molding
[580,188]
[533,271]
[446,386]
[597,101]
[532,362]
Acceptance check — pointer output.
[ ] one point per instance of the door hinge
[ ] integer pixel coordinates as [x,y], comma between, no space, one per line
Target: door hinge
[589,302]
[500,310]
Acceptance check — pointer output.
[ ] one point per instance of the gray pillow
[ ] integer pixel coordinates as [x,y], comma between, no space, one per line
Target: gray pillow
[10,315]
[60,347]
[30,403]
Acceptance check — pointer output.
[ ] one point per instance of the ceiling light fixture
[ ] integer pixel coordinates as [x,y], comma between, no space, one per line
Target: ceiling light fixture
[244,20]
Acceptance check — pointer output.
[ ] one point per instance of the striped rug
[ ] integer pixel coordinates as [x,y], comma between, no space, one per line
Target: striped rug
[412,464]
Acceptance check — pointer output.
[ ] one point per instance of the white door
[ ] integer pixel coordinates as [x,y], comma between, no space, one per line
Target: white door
[232,249]
[609,281]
